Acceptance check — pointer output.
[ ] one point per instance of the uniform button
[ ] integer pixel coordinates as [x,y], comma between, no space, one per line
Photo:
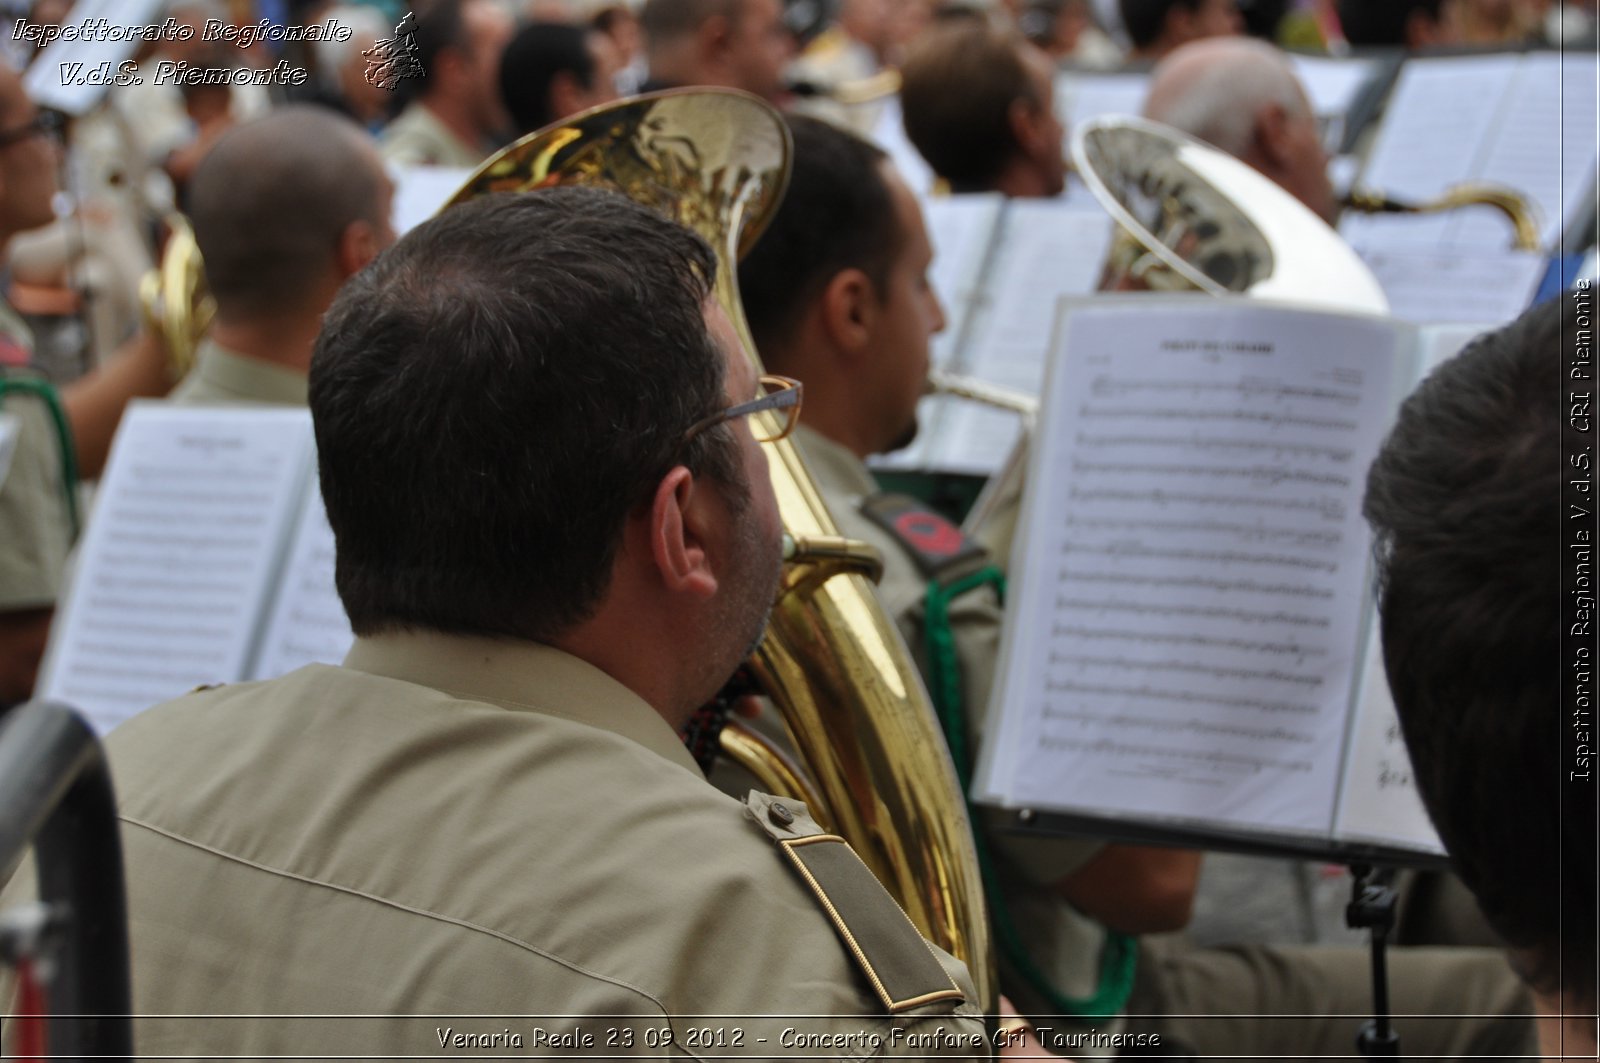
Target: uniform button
[779,813]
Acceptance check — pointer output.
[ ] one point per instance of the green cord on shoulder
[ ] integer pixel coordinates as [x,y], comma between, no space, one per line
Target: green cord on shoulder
[1118,957]
[69,453]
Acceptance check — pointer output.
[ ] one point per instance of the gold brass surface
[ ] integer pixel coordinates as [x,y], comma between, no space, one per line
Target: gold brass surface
[1517,209]
[176,305]
[831,660]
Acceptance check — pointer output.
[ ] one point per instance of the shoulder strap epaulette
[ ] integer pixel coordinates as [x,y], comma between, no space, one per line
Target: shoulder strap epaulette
[941,552]
[894,957]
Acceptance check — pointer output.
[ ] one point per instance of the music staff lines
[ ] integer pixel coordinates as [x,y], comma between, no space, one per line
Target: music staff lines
[189,542]
[1271,475]
[170,587]
[1208,583]
[1208,612]
[169,518]
[1215,758]
[171,562]
[1219,557]
[1189,725]
[1282,649]
[1197,441]
[1126,414]
[191,606]
[1307,537]
[1328,508]
[207,499]
[1130,664]
[1246,388]
[1186,697]
[147,652]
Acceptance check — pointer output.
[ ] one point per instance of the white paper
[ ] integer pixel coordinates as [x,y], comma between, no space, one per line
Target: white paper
[1379,800]
[10,430]
[890,135]
[1437,287]
[1182,634]
[1080,97]
[308,624]
[1332,84]
[1047,251]
[179,558]
[52,78]
[1526,122]
[420,192]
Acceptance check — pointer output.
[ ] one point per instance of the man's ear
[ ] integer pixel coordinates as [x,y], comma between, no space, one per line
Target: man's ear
[1272,134]
[713,40]
[849,306]
[1026,128]
[566,95]
[680,516]
[358,245]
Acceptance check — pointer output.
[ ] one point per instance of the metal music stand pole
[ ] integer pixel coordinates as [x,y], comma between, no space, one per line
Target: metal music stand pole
[1372,905]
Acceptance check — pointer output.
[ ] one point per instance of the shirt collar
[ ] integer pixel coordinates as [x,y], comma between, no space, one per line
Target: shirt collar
[834,463]
[249,378]
[520,677]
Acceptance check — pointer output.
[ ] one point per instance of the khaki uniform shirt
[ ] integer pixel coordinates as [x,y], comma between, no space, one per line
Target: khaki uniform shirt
[35,530]
[221,377]
[1063,941]
[417,138]
[452,827]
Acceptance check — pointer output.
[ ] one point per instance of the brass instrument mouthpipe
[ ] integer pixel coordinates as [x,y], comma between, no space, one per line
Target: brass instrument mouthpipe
[1515,206]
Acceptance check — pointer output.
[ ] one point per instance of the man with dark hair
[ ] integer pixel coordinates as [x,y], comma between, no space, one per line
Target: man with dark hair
[285,209]
[1409,24]
[1156,27]
[999,132]
[556,538]
[1465,500]
[551,70]
[737,44]
[454,116]
[836,295]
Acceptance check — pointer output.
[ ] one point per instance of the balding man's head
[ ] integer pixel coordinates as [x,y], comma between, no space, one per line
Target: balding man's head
[282,205]
[1243,96]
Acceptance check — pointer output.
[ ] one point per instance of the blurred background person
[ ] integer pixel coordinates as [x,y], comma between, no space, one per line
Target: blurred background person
[552,70]
[1408,24]
[341,80]
[739,44]
[1156,27]
[454,116]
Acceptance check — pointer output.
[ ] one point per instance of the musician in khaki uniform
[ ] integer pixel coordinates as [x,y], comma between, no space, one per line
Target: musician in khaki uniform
[456,117]
[837,296]
[285,209]
[556,538]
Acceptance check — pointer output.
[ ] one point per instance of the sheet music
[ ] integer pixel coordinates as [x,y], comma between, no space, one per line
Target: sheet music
[176,565]
[1047,250]
[1332,84]
[1080,97]
[308,623]
[1183,633]
[1428,287]
[1527,122]
[1378,799]
[52,78]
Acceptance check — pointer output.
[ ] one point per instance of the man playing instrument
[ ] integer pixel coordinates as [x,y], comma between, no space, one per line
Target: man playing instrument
[556,538]
[836,294]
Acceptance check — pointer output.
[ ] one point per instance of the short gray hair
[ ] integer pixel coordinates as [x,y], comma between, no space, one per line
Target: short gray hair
[1219,102]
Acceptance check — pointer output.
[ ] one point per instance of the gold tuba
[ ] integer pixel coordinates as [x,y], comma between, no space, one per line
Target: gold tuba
[717,161]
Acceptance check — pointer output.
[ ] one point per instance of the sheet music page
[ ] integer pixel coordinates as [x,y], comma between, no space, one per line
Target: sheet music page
[1378,799]
[1047,250]
[1332,84]
[1544,146]
[174,570]
[1437,287]
[60,76]
[308,623]
[1185,621]
[1434,134]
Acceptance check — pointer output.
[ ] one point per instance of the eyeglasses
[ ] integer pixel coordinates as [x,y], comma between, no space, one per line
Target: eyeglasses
[45,123]
[780,394]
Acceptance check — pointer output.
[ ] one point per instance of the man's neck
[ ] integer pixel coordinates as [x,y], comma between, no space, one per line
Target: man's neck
[1020,179]
[282,341]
